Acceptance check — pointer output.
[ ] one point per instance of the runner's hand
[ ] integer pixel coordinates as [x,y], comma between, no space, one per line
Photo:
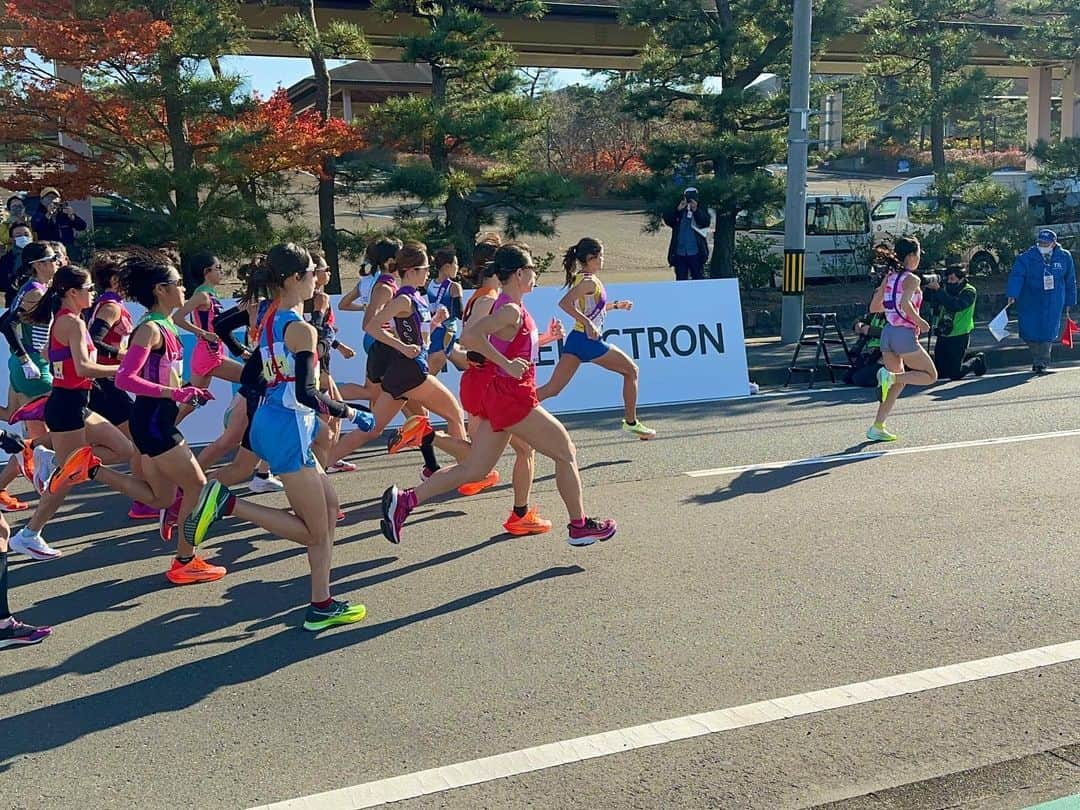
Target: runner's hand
[30,371]
[411,350]
[348,352]
[191,395]
[516,368]
[556,330]
[365,420]
[591,332]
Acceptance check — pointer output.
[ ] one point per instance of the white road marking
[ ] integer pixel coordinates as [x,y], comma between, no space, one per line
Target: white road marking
[513,763]
[896,451]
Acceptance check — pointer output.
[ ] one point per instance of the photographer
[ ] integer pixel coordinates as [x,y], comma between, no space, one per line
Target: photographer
[689,247]
[56,221]
[866,353]
[952,309]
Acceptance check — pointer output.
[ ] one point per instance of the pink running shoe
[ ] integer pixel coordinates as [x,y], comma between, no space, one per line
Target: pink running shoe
[140,511]
[591,531]
[396,507]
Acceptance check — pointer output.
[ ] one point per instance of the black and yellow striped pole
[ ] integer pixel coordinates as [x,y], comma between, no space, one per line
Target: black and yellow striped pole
[791,314]
[794,272]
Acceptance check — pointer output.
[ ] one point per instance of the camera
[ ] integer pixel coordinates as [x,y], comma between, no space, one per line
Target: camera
[931,278]
[690,196]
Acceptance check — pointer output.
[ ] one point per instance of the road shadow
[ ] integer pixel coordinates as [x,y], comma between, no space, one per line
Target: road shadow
[978,385]
[762,481]
[49,727]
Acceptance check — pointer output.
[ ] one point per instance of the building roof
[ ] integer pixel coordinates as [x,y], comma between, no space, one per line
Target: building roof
[399,77]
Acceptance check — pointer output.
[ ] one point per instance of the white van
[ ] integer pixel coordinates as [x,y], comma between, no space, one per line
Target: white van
[837,234]
[909,209]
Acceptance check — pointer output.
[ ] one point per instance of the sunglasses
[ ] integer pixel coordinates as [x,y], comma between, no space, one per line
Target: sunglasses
[53,259]
[170,283]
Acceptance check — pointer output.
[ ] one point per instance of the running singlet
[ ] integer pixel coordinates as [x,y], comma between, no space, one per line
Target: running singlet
[391,282]
[524,345]
[438,294]
[490,295]
[64,373]
[414,329]
[278,365]
[593,305]
[165,365]
[204,318]
[894,292]
[34,336]
[119,330]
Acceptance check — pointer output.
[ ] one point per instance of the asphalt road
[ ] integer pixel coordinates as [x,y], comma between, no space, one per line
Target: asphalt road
[718,591]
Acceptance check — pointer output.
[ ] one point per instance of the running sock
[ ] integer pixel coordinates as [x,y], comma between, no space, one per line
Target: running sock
[427,450]
[521,511]
[322,605]
[5,611]
[579,523]
[879,425]
[630,421]
[185,560]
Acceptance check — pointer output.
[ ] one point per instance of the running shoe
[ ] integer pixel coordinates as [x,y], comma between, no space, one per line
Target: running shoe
[339,612]
[340,515]
[194,572]
[639,429]
[342,466]
[9,503]
[76,469]
[18,634]
[260,485]
[879,433]
[396,507]
[530,523]
[425,474]
[489,480]
[592,531]
[410,434]
[33,545]
[978,364]
[140,511]
[168,516]
[25,460]
[32,411]
[213,500]
[41,468]
[885,379]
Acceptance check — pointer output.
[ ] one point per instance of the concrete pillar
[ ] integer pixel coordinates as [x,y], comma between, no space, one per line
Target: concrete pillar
[346,105]
[1070,102]
[73,76]
[1038,108]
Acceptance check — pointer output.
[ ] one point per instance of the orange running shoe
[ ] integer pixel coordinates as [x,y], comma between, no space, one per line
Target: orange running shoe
[9,503]
[75,470]
[410,434]
[489,480]
[26,462]
[196,571]
[531,523]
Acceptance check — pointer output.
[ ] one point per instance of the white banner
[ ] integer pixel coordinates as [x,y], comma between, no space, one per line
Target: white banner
[685,336]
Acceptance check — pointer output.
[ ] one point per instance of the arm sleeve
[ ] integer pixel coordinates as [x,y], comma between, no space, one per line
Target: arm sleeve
[128,379]
[455,309]
[98,330]
[955,303]
[228,322]
[9,328]
[307,388]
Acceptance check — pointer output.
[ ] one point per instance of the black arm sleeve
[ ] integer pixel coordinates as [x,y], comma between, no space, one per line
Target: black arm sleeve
[9,328]
[98,330]
[307,388]
[228,322]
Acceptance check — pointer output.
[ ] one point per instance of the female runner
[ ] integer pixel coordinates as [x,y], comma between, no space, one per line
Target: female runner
[587,302]
[283,431]
[445,291]
[503,401]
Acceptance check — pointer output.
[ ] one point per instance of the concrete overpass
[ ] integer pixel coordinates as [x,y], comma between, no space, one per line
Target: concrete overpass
[587,34]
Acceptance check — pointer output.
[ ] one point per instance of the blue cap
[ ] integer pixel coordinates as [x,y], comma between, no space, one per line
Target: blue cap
[1046,235]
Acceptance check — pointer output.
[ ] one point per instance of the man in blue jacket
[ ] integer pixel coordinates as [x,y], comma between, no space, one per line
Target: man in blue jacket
[1043,285]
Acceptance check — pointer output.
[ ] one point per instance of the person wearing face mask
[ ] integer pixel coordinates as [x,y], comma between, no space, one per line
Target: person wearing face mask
[11,262]
[953,308]
[14,214]
[1042,284]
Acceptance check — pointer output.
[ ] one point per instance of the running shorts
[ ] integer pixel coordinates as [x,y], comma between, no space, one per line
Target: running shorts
[584,348]
[403,374]
[204,360]
[110,402]
[283,437]
[442,341]
[378,359]
[153,425]
[66,408]
[506,401]
[899,339]
[474,381]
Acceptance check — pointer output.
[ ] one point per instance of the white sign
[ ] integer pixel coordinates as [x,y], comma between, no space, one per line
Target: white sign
[685,336]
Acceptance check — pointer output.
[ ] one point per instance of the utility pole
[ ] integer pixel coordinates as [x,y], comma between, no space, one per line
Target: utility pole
[794,284]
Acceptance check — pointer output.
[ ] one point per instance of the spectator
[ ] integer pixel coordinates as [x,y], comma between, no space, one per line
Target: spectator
[16,215]
[56,221]
[689,247]
[953,317]
[1043,285]
[865,355]
[11,262]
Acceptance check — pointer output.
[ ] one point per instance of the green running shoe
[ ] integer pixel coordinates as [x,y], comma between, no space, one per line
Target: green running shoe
[639,429]
[885,379]
[211,506]
[880,434]
[339,612]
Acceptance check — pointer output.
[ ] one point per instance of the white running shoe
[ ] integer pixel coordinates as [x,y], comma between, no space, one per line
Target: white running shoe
[262,485]
[33,545]
[44,464]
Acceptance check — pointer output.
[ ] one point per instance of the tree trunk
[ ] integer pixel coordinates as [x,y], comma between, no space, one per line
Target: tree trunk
[937,111]
[462,219]
[183,158]
[722,264]
[326,192]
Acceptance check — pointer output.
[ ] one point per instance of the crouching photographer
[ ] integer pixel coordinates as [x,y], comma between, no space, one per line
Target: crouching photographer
[952,313]
[866,353]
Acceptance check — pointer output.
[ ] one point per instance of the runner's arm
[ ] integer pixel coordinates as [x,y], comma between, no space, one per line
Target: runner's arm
[107,315]
[301,339]
[228,322]
[9,326]
[180,317]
